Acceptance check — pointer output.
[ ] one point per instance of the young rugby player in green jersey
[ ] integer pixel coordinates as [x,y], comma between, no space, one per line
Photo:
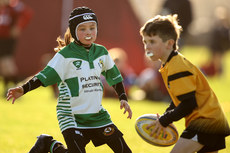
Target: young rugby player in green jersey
[76,68]
[192,97]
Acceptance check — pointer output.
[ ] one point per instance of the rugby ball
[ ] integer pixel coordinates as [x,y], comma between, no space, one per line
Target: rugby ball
[171,132]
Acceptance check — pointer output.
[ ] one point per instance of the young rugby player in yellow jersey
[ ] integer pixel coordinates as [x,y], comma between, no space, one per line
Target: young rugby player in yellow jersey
[192,97]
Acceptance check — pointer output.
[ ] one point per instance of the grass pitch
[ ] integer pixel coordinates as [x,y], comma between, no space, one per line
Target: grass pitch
[35,113]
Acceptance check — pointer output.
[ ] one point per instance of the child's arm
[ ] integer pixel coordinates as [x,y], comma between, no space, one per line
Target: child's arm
[183,109]
[17,92]
[171,106]
[119,88]
[171,114]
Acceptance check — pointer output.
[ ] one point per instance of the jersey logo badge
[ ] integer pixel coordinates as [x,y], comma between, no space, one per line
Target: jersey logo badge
[108,131]
[77,64]
[101,63]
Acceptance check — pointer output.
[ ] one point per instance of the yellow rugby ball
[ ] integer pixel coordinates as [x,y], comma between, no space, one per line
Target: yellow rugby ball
[171,132]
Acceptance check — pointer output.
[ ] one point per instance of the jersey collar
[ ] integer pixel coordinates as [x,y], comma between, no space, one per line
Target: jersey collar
[173,53]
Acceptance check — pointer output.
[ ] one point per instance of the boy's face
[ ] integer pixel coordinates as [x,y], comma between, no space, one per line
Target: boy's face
[87,33]
[155,48]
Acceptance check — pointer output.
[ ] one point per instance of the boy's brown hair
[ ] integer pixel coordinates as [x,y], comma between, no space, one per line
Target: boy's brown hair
[166,27]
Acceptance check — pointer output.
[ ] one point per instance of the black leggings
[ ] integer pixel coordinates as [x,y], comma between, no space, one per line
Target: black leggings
[119,145]
[76,140]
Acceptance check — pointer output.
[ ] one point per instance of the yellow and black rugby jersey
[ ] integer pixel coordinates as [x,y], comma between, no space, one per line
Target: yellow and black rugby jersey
[182,79]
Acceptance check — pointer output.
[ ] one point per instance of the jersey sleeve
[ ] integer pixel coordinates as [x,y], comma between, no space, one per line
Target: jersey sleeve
[111,72]
[182,84]
[53,72]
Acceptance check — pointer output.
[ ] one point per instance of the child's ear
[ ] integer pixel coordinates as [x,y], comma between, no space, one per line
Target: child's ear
[170,43]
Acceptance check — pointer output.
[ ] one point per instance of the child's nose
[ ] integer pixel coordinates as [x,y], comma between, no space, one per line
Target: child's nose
[147,47]
[88,31]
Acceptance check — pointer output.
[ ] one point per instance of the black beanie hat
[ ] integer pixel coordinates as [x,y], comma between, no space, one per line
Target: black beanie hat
[80,15]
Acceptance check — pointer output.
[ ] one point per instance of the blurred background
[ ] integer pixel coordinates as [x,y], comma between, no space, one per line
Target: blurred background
[28,33]
[41,22]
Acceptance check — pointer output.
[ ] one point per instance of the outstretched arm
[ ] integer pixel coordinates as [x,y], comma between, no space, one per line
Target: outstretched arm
[119,88]
[183,109]
[17,92]
[173,114]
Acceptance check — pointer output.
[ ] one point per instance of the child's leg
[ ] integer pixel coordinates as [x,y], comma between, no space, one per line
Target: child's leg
[186,146]
[75,141]
[45,144]
[192,141]
[42,144]
[119,145]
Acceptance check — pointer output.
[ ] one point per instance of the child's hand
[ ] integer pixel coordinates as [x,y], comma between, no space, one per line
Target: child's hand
[14,93]
[124,104]
[158,128]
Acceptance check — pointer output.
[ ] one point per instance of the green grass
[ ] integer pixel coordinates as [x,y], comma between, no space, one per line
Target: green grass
[35,113]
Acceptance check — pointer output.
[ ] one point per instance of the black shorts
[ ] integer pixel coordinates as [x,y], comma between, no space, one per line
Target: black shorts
[211,142]
[77,139]
[102,135]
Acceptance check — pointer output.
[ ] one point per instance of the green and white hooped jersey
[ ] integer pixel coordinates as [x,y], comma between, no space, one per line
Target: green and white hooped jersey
[77,73]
